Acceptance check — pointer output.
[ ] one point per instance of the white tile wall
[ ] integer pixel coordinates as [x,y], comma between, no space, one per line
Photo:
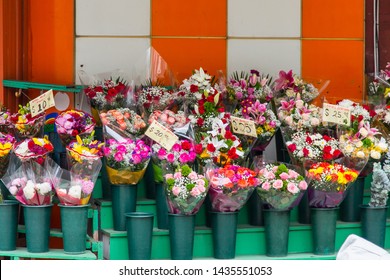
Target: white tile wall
[100,55]
[264,18]
[265,55]
[113,17]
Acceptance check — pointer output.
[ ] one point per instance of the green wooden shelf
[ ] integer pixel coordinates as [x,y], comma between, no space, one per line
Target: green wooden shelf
[32,85]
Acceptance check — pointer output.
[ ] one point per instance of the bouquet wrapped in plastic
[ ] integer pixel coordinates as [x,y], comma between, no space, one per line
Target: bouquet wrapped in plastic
[126,160]
[123,122]
[154,98]
[77,186]
[71,123]
[230,187]
[33,184]
[84,151]
[6,126]
[27,126]
[6,146]
[174,121]
[185,190]
[34,149]
[282,185]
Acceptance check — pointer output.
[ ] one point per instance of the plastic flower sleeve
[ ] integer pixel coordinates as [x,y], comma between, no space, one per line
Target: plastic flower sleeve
[230,187]
[331,180]
[77,185]
[6,126]
[27,126]
[282,185]
[185,190]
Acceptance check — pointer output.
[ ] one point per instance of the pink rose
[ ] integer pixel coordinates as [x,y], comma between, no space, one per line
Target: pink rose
[201,188]
[193,175]
[176,147]
[292,188]
[121,148]
[269,175]
[200,182]
[176,191]
[195,192]
[302,185]
[137,159]
[284,176]
[177,175]
[184,158]
[278,184]
[293,174]
[168,176]
[266,186]
[170,158]
[118,156]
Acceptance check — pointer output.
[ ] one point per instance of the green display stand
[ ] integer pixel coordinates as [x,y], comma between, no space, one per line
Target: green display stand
[74,228]
[124,200]
[37,221]
[276,225]
[374,224]
[139,235]
[324,230]
[224,230]
[9,214]
[350,210]
[181,236]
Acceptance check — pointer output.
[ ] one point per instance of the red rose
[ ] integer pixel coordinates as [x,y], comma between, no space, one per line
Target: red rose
[211,148]
[201,109]
[327,138]
[360,118]
[198,148]
[308,140]
[292,147]
[305,152]
[327,156]
[327,149]
[185,145]
[232,153]
[194,88]
[336,153]
[200,122]
[210,99]
[221,109]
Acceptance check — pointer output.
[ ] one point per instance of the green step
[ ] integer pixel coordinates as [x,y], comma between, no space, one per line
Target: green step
[52,254]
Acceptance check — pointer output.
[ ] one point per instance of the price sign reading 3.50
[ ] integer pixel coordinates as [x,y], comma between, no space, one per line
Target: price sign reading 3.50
[42,103]
[336,114]
[161,135]
[243,126]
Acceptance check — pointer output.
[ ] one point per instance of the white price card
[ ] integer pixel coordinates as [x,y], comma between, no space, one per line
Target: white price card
[243,126]
[42,103]
[336,114]
[161,135]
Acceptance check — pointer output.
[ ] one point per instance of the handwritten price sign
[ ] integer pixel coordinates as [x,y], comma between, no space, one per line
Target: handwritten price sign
[243,126]
[336,114]
[42,103]
[161,135]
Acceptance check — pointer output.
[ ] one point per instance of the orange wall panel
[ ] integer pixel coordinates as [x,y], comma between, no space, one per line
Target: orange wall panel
[185,55]
[341,62]
[332,19]
[189,18]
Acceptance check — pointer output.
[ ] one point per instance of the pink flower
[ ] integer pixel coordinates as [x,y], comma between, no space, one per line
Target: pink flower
[168,176]
[183,158]
[278,184]
[284,176]
[200,182]
[269,175]
[292,188]
[170,158]
[87,187]
[137,159]
[177,175]
[176,147]
[176,191]
[118,156]
[302,185]
[195,192]
[201,188]
[121,148]
[293,174]
[106,151]
[193,175]
[266,186]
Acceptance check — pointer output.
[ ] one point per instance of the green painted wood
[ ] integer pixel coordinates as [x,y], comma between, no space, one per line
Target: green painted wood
[32,85]
[52,254]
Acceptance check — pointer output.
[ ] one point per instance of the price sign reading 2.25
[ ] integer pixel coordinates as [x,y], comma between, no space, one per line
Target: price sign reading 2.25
[243,126]
[42,103]
[336,114]
[161,135]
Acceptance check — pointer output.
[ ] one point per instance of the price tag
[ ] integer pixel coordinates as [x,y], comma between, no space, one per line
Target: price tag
[42,103]
[161,135]
[243,126]
[336,114]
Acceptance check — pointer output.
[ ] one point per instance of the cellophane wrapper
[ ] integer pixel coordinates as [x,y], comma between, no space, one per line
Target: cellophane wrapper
[185,190]
[327,189]
[32,183]
[228,194]
[26,155]
[77,185]
[30,129]
[282,185]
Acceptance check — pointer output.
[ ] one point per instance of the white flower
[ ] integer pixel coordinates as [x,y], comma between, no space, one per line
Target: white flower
[314,122]
[382,145]
[13,190]
[360,154]
[359,144]
[63,191]
[348,149]
[375,154]
[22,149]
[29,190]
[363,132]
[299,104]
[75,191]
[44,188]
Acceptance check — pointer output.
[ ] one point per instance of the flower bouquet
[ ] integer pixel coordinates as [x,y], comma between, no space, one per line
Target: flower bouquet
[186,190]
[34,185]
[84,151]
[176,122]
[282,185]
[79,183]
[71,123]
[123,123]
[152,98]
[126,160]
[34,149]
[25,125]
[379,86]
[230,187]
[6,146]
[6,126]
[248,86]
[290,87]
